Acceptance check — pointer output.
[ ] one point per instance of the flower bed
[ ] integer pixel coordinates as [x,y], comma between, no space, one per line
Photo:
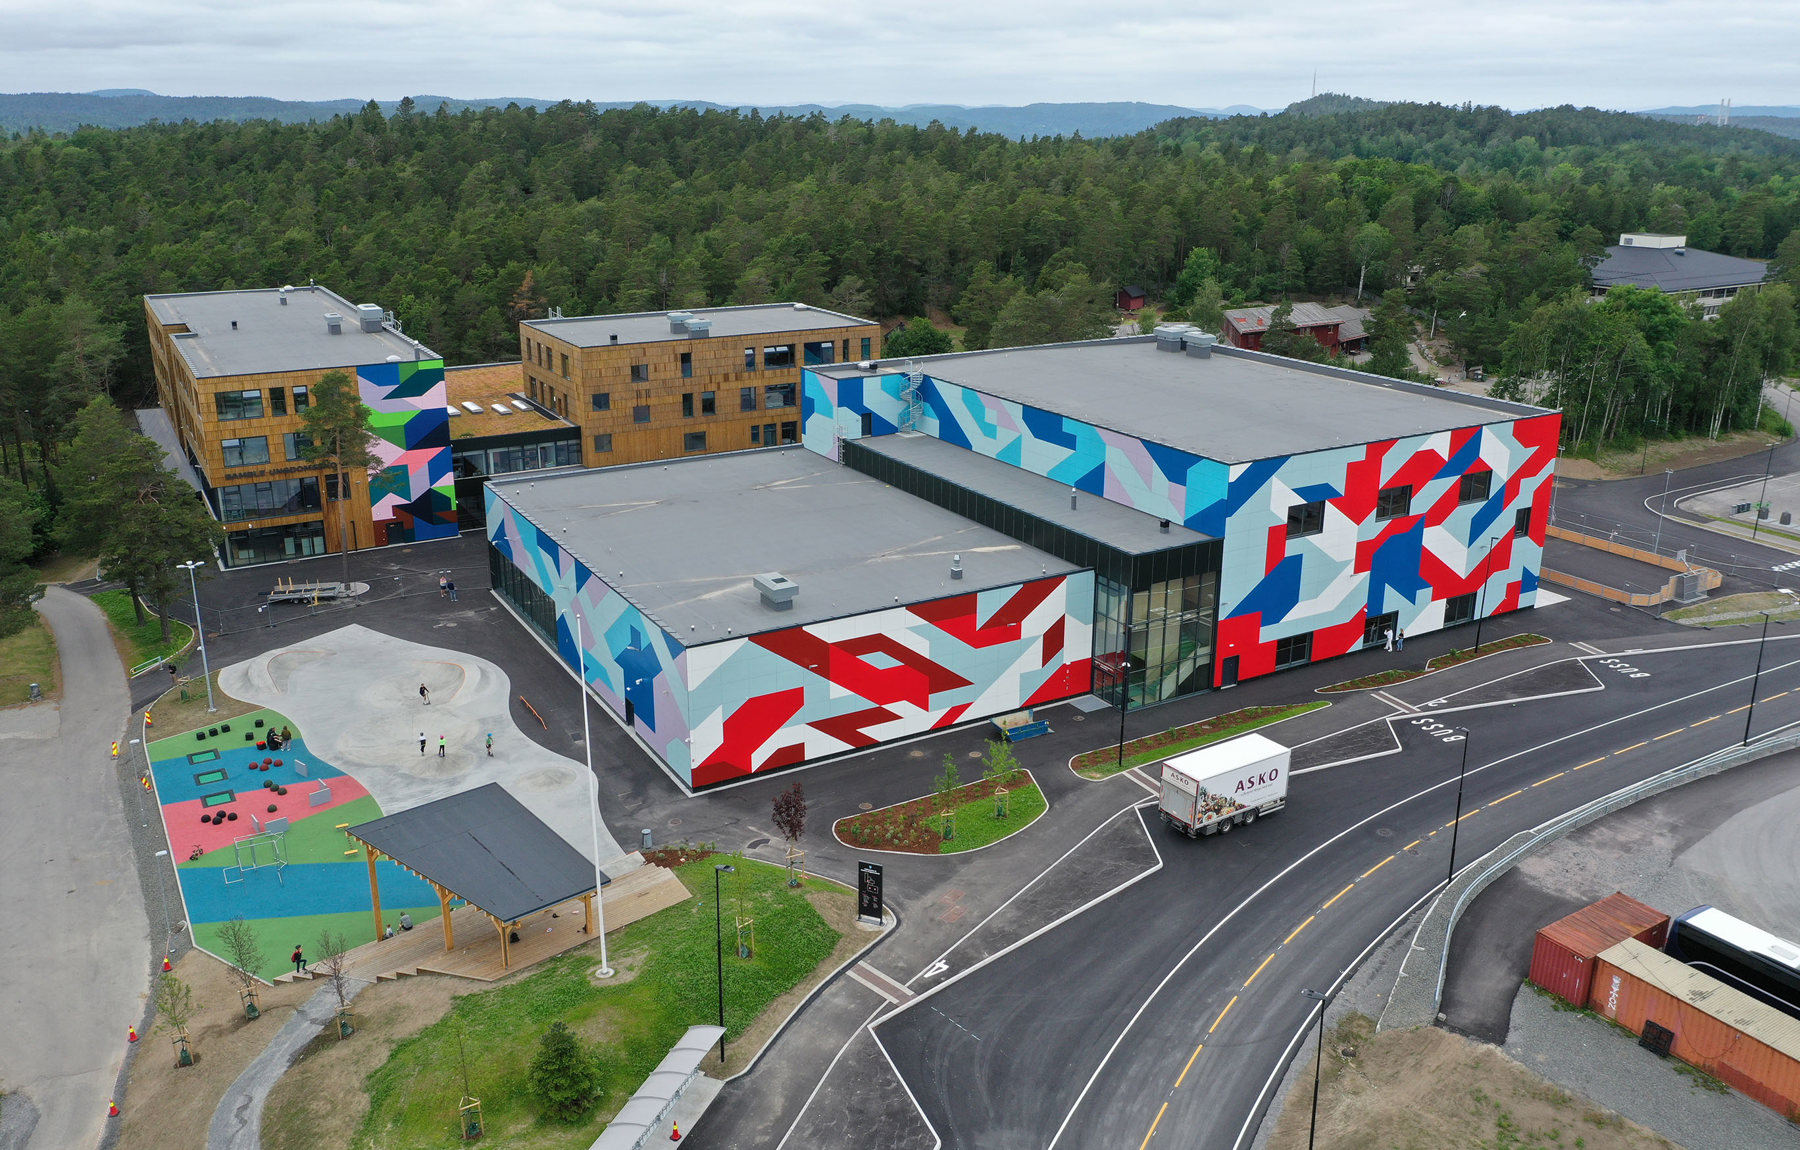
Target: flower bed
[1098,764]
[913,826]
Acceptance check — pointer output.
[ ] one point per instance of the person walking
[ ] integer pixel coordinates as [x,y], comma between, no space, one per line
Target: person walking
[299,959]
[425,694]
[1400,640]
[1390,639]
[452,586]
[440,746]
[490,744]
[443,585]
[421,742]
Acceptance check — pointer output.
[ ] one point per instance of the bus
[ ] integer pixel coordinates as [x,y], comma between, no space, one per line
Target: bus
[1741,956]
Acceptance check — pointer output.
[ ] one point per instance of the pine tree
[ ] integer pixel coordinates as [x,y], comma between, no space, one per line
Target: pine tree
[564,1078]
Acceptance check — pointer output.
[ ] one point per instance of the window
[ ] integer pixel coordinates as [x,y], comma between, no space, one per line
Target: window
[603,443]
[274,544]
[865,347]
[778,395]
[278,401]
[603,401]
[1474,487]
[846,350]
[295,443]
[1461,609]
[239,404]
[1293,651]
[768,435]
[755,434]
[640,373]
[687,404]
[790,431]
[1394,502]
[817,354]
[749,359]
[332,495]
[1306,519]
[247,452]
[565,365]
[640,413]
[277,497]
[746,399]
[779,356]
[1522,523]
[302,398]
[694,441]
[687,365]
[709,403]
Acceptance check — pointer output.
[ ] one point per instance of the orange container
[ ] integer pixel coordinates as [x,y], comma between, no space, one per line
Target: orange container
[1738,1040]
[1562,959]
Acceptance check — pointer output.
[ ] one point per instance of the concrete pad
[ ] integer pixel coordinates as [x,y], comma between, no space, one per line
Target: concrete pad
[31,721]
[355,693]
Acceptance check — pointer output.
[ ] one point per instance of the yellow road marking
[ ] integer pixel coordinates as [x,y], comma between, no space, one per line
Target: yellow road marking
[1412,844]
[1745,707]
[1301,927]
[1503,798]
[1676,731]
[1338,895]
[1470,815]
[1777,696]
[1153,1126]
[1222,1015]
[1632,747]
[1258,970]
[1190,1065]
[1703,722]
[1552,778]
[1591,762]
[1374,868]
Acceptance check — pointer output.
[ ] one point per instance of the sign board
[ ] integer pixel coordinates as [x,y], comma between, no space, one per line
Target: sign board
[868,891]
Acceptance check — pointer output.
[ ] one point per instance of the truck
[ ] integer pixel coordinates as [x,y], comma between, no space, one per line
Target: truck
[1217,787]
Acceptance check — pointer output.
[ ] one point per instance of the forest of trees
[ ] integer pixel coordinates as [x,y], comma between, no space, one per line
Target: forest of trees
[462,223]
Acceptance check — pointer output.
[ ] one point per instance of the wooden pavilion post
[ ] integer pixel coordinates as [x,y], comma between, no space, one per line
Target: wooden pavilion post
[374,889]
[444,908]
[505,946]
[587,904]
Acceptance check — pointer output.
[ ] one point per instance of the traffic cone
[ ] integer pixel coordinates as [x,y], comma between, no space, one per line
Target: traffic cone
[148,722]
[167,965]
[112,1108]
[675,1134]
[131,1034]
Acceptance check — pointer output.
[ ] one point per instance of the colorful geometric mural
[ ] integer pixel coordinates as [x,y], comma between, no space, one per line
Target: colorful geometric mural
[1271,587]
[726,710]
[413,495]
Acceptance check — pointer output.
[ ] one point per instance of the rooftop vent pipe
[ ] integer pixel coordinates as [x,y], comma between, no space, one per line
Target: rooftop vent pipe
[956,571]
[334,323]
[613,338]
[1072,498]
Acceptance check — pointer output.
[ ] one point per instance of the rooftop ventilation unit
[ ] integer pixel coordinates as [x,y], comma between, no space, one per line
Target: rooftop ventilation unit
[678,320]
[1170,335]
[1199,344]
[613,338]
[334,323]
[777,590]
[369,316]
[699,328]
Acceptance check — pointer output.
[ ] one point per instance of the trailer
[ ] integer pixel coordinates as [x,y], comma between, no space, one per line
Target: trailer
[1217,787]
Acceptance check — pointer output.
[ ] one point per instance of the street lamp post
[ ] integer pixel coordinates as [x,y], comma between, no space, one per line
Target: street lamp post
[719,939]
[1456,825]
[1318,1063]
[1756,513]
[1757,679]
[1662,509]
[205,668]
[587,744]
[168,931]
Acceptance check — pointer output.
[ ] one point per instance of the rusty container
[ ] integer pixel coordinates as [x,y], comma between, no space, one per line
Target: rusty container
[1562,959]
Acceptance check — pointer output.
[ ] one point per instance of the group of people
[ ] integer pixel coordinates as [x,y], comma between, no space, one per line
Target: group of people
[447,587]
[279,739]
[442,744]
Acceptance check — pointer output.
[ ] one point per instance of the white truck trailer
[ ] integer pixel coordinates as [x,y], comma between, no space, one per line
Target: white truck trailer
[1213,789]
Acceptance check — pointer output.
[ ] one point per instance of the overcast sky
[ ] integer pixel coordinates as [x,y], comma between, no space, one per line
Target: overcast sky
[1518,53]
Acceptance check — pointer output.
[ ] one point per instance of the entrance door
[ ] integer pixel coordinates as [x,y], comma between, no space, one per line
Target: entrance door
[1376,629]
[1228,672]
[630,713]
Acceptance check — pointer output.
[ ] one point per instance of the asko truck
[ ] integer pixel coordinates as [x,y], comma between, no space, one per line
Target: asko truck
[1215,788]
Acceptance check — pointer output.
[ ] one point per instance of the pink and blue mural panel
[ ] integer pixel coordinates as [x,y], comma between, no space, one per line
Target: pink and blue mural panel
[412,494]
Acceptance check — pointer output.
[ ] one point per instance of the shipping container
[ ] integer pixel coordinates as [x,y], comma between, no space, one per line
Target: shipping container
[1562,959]
[1742,1042]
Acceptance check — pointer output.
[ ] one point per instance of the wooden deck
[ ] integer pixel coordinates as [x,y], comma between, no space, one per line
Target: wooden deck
[547,934]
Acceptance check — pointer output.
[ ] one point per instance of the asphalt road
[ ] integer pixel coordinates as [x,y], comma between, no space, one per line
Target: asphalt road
[1171,1005]
[76,948]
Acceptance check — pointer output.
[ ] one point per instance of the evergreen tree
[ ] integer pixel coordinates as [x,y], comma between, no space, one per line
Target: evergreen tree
[982,301]
[1390,338]
[18,584]
[917,338]
[564,1078]
[1208,309]
[338,431]
[1284,339]
[1202,265]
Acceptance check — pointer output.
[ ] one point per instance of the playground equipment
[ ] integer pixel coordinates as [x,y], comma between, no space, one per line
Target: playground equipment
[265,848]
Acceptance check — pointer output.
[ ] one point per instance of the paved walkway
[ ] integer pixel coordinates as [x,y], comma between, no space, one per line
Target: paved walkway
[75,958]
[237,1123]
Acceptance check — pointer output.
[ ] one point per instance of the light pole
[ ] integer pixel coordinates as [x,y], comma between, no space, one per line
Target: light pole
[605,970]
[1662,509]
[1487,572]
[1757,680]
[1757,513]
[1323,1000]
[205,668]
[1456,825]
[168,930]
[719,939]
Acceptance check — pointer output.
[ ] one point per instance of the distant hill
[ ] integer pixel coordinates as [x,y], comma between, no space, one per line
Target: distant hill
[1784,111]
[128,107]
[1776,120]
[1331,104]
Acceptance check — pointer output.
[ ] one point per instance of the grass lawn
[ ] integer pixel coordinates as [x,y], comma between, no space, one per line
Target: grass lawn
[915,827]
[277,936]
[140,643]
[173,713]
[27,657]
[1100,764]
[976,825]
[629,1023]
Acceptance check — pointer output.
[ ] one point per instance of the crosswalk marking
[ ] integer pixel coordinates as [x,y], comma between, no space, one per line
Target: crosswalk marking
[1789,566]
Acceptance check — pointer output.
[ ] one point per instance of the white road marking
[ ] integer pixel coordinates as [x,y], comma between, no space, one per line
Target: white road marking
[882,984]
[1138,776]
[1589,648]
[1398,704]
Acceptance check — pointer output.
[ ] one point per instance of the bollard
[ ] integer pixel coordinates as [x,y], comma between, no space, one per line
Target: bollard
[646,834]
[37,693]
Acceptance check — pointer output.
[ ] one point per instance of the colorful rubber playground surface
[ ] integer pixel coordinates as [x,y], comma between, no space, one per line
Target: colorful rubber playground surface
[281,861]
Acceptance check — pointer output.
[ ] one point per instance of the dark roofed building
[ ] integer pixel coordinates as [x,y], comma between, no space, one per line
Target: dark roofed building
[1336,328]
[1666,264]
[1131,297]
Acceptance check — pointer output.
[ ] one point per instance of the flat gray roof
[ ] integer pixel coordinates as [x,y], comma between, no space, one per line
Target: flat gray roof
[271,336]
[1234,406]
[690,535]
[1664,269]
[727,323]
[1113,524]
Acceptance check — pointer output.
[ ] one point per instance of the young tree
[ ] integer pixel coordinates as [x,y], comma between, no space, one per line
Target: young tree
[333,958]
[918,337]
[564,1078]
[337,424]
[943,793]
[245,954]
[789,816]
[1001,765]
[175,1009]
